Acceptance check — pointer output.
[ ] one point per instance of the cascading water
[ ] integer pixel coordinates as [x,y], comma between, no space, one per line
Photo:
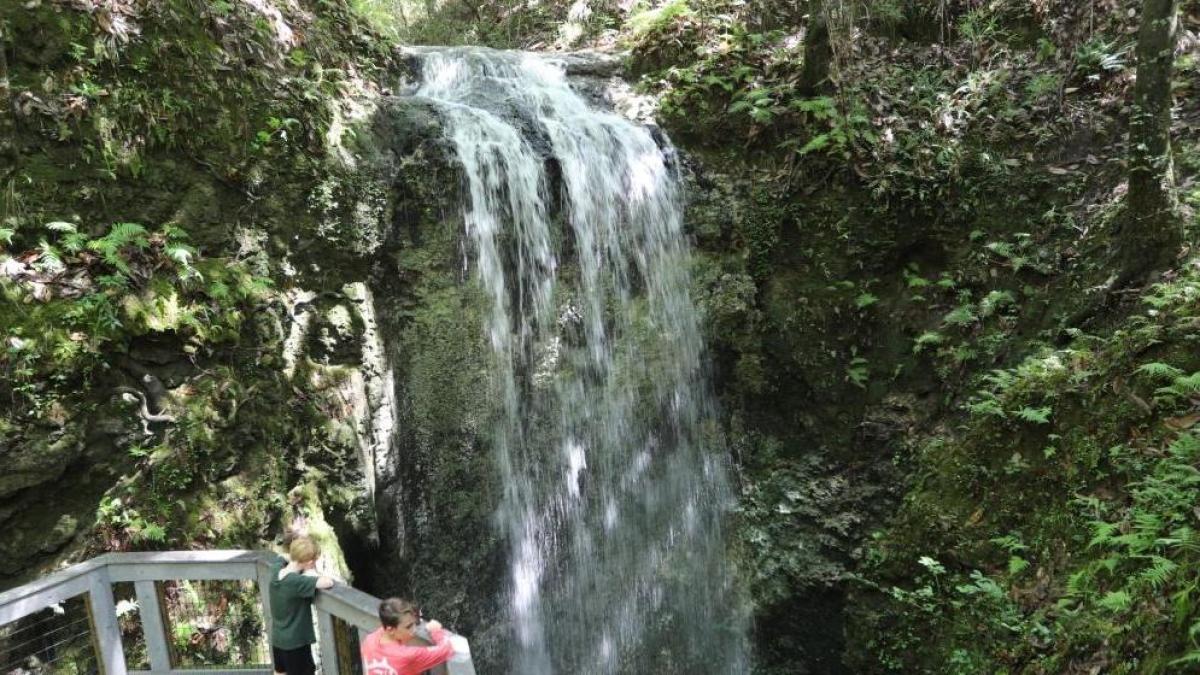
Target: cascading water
[615,486]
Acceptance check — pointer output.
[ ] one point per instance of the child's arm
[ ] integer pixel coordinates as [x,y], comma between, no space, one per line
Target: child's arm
[422,658]
[323,582]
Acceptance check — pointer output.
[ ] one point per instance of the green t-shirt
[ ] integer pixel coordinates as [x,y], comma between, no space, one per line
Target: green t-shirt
[291,608]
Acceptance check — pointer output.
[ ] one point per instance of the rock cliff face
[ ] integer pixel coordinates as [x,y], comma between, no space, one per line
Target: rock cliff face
[436,487]
[184,365]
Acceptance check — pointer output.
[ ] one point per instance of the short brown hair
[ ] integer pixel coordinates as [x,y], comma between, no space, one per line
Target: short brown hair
[392,609]
[304,549]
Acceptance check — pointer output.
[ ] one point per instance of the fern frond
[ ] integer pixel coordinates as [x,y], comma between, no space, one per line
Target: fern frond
[1010,543]
[1079,582]
[128,234]
[51,256]
[1034,415]
[1186,448]
[1159,573]
[1159,371]
[1115,601]
[1102,533]
[180,253]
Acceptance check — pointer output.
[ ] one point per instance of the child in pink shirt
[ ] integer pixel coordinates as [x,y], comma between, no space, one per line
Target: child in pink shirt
[384,651]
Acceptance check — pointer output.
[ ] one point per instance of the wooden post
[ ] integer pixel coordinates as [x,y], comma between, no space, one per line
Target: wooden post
[153,626]
[327,639]
[264,594]
[103,615]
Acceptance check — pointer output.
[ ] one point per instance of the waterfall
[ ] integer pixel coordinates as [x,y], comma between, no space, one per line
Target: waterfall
[605,431]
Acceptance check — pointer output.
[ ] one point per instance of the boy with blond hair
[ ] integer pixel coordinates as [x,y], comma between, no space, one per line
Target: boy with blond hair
[293,585]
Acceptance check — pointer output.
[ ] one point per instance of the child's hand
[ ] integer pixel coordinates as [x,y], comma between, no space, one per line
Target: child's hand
[434,625]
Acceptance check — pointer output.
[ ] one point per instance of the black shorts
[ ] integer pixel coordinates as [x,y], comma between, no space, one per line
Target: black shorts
[298,661]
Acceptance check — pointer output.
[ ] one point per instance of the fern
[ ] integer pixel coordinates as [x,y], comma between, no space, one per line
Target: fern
[1159,573]
[1102,533]
[1182,386]
[218,290]
[995,301]
[1185,449]
[61,226]
[1010,543]
[174,233]
[1079,582]
[859,372]
[1000,380]
[865,300]
[927,339]
[1159,371]
[51,257]
[1183,539]
[986,406]
[1034,415]
[739,106]
[1181,602]
[1116,601]
[963,315]
[74,242]
[126,234]
[180,253]
[111,246]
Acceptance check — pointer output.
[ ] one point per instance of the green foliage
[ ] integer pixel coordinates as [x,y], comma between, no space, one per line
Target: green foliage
[112,513]
[858,372]
[1099,57]
[647,18]
[1099,547]
[1034,415]
[926,340]
[865,300]
[128,281]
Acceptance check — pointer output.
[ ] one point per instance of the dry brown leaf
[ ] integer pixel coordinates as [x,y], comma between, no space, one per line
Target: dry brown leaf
[1184,422]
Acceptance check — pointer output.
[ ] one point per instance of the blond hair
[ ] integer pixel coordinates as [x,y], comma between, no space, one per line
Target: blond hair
[303,549]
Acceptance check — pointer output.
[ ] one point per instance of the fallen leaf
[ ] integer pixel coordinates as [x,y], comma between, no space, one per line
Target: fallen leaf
[1184,422]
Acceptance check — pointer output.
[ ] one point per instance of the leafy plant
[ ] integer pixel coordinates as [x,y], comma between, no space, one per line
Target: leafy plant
[1099,56]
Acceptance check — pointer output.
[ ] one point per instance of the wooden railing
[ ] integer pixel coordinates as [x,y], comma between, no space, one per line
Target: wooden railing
[94,579]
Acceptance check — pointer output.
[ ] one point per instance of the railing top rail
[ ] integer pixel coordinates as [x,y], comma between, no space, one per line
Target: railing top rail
[351,605]
[71,581]
[214,557]
[50,582]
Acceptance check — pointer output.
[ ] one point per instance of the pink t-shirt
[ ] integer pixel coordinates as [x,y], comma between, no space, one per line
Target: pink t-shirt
[386,657]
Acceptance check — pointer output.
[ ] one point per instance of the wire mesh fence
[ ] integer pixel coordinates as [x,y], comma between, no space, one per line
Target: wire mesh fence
[346,638]
[214,624]
[129,621]
[56,640]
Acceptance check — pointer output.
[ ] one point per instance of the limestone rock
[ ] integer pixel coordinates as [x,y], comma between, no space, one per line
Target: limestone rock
[36,461]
